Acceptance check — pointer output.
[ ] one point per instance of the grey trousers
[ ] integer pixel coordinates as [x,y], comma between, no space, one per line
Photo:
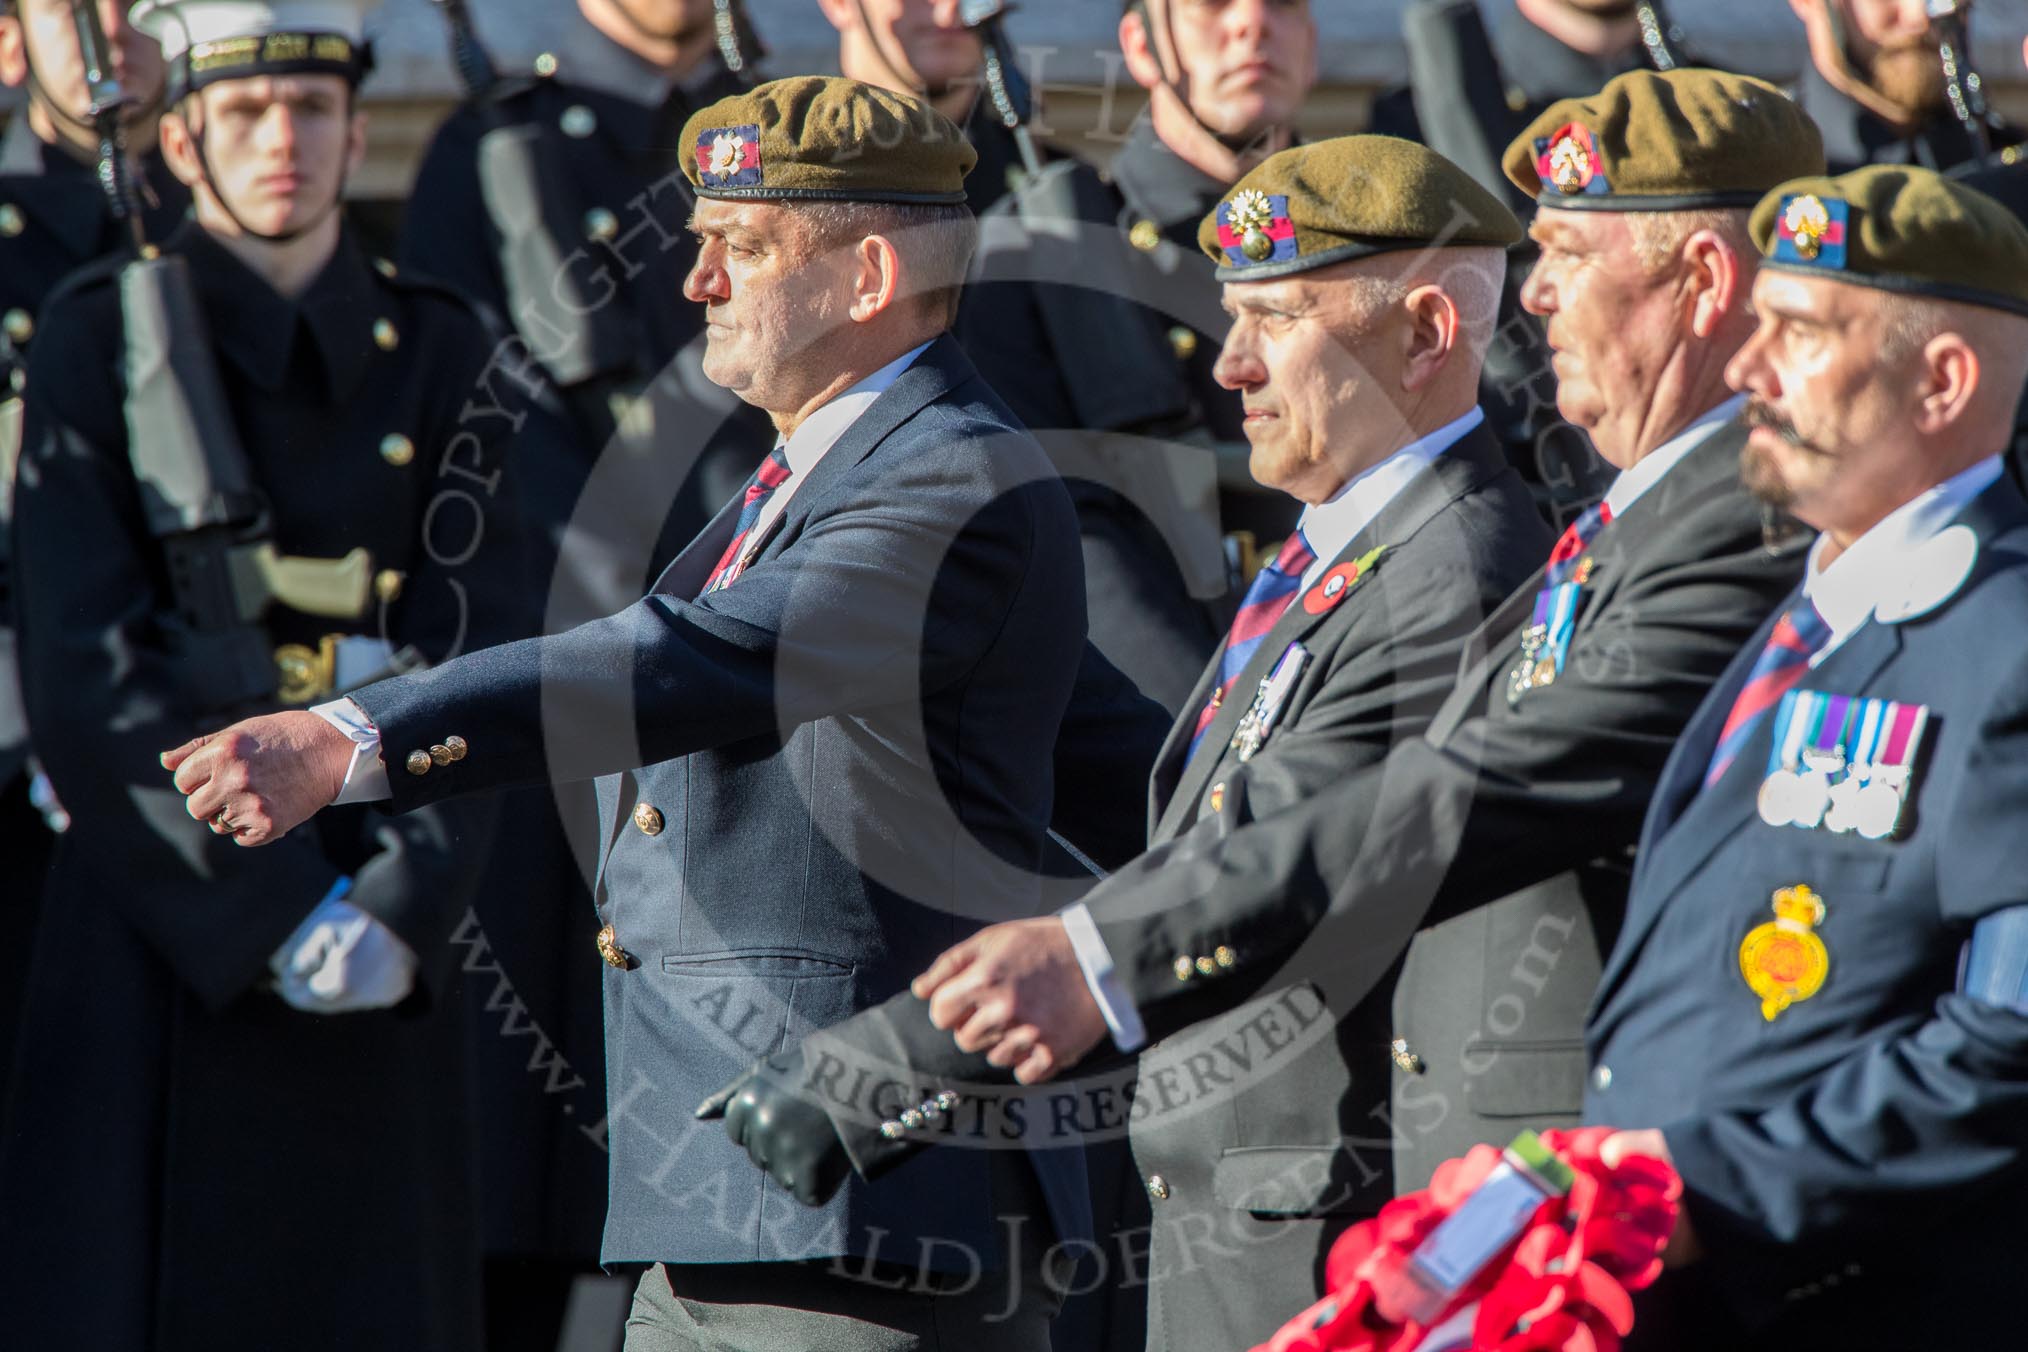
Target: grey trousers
[832,1307]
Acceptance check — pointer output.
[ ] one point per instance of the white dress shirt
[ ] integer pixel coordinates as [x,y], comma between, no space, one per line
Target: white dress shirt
[366,777]
[1898,562]
[1328,527]
[1649,469]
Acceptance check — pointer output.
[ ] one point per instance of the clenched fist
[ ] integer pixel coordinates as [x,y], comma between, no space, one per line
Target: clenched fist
[261,778]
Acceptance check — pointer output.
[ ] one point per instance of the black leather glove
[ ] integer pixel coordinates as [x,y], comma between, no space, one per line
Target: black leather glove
[783,1131]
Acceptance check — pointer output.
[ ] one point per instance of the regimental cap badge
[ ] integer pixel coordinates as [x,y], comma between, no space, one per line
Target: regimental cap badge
[729,157]
[1254,227]
[1784,960]
[1811,229]
[1567,161]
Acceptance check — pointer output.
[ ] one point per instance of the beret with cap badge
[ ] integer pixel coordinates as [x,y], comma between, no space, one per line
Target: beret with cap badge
[825,138]
[1898,228]
[1682,140]
[1349,197]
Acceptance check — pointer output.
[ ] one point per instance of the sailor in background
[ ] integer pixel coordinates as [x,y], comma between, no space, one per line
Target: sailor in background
[239,1119]
[53,218]
[1818,1009]
[931,49]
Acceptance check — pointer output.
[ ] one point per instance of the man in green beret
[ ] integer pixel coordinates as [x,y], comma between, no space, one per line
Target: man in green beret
[822,746]
[1089,311]
[1362,276]
[1468,882]
[1818,1009]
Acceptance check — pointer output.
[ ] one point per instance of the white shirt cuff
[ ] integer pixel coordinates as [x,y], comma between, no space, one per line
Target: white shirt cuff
[1102,979]
[366,777]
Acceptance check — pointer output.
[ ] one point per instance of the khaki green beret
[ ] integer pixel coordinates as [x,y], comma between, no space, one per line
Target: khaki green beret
[1676,141]
[1898,228]
[821,138]
[1350,197]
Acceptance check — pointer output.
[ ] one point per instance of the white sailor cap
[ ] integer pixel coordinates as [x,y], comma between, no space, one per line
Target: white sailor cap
[208,40]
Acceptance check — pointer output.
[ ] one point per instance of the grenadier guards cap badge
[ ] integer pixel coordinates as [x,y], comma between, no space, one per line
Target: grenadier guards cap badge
[1350,197]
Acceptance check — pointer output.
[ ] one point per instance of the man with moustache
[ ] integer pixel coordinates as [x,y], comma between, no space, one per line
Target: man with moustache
[239,1114]
[1090,314]
[1477,868]
[822,742]
[1875,86]
[53,218]
[1818,1009]
[923,48]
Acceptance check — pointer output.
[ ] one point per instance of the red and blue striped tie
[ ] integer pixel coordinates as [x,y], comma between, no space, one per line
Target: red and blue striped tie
[1576,537]
[1797,636]
[772,474]
[1274,587]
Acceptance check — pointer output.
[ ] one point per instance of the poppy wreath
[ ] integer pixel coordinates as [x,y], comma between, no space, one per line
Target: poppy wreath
[1565,1285]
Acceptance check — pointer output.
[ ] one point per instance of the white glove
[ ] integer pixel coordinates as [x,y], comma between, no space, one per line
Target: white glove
[341,959]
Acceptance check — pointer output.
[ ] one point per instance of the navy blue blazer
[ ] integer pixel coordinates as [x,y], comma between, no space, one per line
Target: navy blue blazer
[1856,1167]
[810,784]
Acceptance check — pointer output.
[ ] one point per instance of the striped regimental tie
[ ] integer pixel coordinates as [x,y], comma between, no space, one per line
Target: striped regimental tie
[772,474]
[1274,587]
[1576,538]
[1797,636]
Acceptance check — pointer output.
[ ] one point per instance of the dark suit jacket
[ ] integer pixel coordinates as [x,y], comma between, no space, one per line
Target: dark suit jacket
[811,783]
[1492,797]
[1459,536]
[1854,1166]
[1240,1115]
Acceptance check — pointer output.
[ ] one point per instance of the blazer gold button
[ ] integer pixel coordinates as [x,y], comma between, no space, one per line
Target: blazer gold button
[396,449]
[1184,967]
[20,325]
[1404,1058]
[1602,1078]
[441,754]
[578,121]
[1225,957]
[648,819]
[1158,1187]
[1145,235]
[545,65]
[418,762]
[457,746]
[601,224]
[387,585]
[385,267]
[1207,967]
[385,336]
[609,948]
[1183,342]
[12,222]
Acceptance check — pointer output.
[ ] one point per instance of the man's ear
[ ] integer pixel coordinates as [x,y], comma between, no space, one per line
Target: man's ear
[1137,46]
[1434,331]
[842,14]
[355,141]
[13,52]
[1948,383]
[1717,279]
[179,147]
[876,278]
